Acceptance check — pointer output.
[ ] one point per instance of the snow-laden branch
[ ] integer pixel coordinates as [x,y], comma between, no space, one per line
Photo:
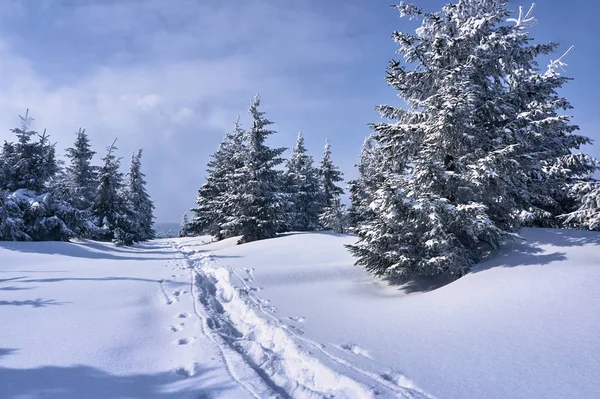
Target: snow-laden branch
[524,21]
[559,63]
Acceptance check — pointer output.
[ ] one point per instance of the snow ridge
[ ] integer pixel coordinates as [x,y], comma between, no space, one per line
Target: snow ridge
[253,341]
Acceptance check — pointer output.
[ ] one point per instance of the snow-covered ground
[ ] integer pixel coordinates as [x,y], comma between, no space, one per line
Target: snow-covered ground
[291,317]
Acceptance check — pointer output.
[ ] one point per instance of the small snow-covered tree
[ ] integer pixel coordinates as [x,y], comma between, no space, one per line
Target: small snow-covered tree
[329,175]
[474,150]
[303,190]
[184,229]
[140,206]
[80,176]
[334,217]
[212,201]
[256,210]
[362,188]
[28,164]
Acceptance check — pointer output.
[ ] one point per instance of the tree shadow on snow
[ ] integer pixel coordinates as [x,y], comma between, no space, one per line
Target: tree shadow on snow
[6,352]
[84,382]
[564,237]
[76,250]
[34,303]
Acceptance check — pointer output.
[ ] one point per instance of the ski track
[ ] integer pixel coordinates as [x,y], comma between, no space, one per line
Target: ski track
[266,356]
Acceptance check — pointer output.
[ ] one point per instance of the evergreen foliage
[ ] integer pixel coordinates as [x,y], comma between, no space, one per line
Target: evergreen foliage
[213,199]
[302,186]
[140,206]
[256,210]
[329,175]
[480,148]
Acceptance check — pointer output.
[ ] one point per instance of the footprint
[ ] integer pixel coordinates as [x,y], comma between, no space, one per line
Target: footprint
[188,371]
[177,293]
[353,348]
[298,319]
[178,327]
[183,341]
[183,315]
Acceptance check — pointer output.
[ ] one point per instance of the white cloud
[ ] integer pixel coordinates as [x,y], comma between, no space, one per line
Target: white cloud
[175,76]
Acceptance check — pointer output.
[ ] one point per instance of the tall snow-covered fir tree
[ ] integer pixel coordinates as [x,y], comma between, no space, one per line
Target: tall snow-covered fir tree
[110,209]
[362,188]
[80,176]
[139,204]
[212,201]
[329,175]
[303,189]
[257,210]
[475,147]
[333,214]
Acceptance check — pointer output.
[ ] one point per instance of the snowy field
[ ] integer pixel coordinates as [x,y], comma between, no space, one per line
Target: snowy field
[292,318]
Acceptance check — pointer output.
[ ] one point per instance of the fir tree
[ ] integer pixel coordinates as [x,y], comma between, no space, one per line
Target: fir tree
[474,150]
[80,176]
[184,230]
[28,164]
[334,217]
[362,188]
[110,208]
[329,175]
[140,206]
[257,212]
[303,189]
[30,208]
[212,201]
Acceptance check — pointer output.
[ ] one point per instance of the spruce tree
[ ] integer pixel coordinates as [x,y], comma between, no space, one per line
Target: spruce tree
[80,176]
[110,209]
[212,201]
[256,210]
[362,189]
[31,210]
[140,206]
[329,175]
[303,190]
[474,150]
[184,230]
[334,217]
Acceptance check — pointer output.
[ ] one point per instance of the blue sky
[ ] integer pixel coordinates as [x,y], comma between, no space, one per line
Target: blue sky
[171,76]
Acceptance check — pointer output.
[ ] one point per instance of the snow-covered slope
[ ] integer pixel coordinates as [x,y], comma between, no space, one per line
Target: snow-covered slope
[524,324]
[291,317]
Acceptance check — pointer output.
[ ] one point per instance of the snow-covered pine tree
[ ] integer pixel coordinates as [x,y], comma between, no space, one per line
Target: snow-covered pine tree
[184,229]
[80,176]
[303,189]
[461,160]
[28,164]
[30,210]
[140,206]
[256,210]
[329,175]
[363,187]
[334,217]
[212,201]
[110,207]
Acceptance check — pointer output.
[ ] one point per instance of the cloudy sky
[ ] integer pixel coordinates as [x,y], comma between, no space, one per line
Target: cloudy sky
[171,76]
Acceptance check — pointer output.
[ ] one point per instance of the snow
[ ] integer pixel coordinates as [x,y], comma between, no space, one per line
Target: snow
[291,317]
